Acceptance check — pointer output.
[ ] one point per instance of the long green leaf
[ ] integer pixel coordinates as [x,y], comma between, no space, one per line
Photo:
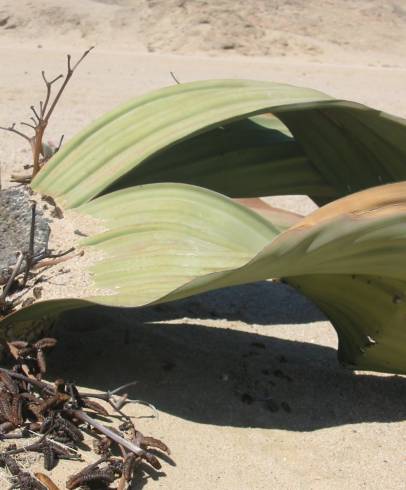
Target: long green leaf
[170,241]
[212,134]
[241,159]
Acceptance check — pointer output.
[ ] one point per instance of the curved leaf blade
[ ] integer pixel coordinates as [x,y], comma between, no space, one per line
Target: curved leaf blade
[215,134]
[170,241]
[124,138]
[241,159]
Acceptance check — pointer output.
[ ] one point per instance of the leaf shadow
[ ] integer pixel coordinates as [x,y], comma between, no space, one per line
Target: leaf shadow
[264,303]
[219,375]
[142,477]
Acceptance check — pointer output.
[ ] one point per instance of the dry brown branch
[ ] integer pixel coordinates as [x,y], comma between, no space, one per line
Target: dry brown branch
[175,79]
[107,432]
[56,415]
[30,254]
[14,272]
[41,118]
[12,129]
[58,260]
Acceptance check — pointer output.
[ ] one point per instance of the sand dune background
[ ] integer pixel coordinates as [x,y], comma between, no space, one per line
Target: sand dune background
[320,30]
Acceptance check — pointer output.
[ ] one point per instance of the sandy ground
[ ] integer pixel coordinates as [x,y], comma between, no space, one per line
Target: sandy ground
[197,360]
[321,30]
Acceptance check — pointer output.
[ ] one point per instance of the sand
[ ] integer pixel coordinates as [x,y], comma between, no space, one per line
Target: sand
[67,274]
[197,360]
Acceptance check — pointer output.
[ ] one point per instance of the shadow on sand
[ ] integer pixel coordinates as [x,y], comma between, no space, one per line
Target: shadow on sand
[221,376]
[261,303]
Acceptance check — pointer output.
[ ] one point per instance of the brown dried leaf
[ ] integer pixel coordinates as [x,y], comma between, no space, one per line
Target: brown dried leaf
[35,409]
[155,443]
[27,372]
[70,429]
[9,382]
[16,410]
[153,460]
[18,344]
[45,343]
[95,406]
[60,385]
[54,401]
[6,427]
[35,426]
[105,476]
[130,463]
[102,446]
[46,481]
[5,406]
[14,350]
[42,365]
[11,464]
[50,459]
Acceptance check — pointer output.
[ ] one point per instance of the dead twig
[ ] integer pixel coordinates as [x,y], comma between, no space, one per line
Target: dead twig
[30,254]
[12,129]
[59,144]
[41,385]
[61,254]
[10,281]
[41,117]
[174,78]
[56,415]
[58,260]
[109,433]
[44,116]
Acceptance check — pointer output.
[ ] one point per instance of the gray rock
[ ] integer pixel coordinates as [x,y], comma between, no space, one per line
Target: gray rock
[15,224]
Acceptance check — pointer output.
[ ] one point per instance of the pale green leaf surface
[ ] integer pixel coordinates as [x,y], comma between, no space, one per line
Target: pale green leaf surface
[215,134]
[240,159]
[170,241]
[119,141]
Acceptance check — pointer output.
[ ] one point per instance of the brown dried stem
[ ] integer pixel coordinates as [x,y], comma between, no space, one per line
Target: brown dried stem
[42,385]
[68,76]
[41,117]
[43,106]
[107,432]
[58,260]
[60,143]
[56,415]
[175,79]
[12,129]
[50,390]
[7,287]
[30,254]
